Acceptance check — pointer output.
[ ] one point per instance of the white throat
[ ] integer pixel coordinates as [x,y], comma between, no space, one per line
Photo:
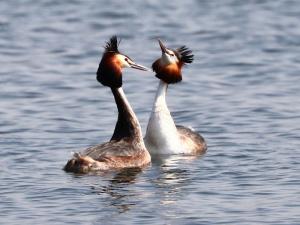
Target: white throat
[161,135]
[160,98]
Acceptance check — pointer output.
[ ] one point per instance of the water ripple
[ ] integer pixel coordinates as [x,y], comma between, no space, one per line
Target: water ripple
[241,93]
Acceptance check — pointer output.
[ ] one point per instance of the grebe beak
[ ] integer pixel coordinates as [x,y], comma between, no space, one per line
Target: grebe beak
[138,67]
[163,48]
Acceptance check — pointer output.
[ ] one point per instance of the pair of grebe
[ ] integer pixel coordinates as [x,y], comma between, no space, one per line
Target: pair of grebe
[127,147]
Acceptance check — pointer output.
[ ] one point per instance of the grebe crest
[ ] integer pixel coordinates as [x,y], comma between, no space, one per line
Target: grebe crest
[168,67]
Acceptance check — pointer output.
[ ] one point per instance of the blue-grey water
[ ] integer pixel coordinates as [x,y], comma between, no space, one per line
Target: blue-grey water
[242,93]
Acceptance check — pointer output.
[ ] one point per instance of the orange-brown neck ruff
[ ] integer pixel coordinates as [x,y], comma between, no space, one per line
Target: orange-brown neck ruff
[168,73]
[109,71]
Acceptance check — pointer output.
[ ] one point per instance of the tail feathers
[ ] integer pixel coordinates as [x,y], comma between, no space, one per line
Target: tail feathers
[82,164]
[76,164]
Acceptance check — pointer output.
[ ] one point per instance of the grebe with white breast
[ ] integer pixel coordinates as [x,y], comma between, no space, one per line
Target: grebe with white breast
[162,135]
[126,148]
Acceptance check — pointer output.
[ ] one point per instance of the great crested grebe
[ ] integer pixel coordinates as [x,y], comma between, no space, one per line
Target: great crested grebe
[126,148]
[162,135]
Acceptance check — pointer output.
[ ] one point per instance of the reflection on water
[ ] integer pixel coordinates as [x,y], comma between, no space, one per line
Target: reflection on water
[241,93]
[126,176]
[171,177]
[168,181]
[117,189]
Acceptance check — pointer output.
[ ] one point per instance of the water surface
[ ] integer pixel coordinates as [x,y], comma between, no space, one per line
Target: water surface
[241,93]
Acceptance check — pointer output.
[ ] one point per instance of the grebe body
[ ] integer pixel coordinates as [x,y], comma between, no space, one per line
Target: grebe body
[126,148]
[163,136]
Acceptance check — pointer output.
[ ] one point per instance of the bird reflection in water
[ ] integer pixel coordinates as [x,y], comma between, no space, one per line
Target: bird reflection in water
[173,175]
[119,195]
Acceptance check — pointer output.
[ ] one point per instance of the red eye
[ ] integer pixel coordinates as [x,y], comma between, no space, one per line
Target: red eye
[126,59]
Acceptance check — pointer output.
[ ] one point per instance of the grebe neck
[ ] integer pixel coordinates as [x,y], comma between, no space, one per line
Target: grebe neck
[127,125]
[162,135]
[160,98]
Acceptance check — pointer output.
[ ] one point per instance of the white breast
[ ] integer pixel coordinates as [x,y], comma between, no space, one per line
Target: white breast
[161,135]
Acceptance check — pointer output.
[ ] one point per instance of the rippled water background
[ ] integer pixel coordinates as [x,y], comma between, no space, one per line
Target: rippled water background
[242,93]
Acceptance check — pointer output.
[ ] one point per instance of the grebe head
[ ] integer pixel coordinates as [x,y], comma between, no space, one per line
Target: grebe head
[110,68]
[168,67]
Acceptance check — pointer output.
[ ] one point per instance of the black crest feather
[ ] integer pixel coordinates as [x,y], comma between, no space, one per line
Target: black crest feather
[112,45]
[185,54]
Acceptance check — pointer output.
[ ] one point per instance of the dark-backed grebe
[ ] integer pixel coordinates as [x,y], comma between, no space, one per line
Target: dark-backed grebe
[162,135]
[126,148]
